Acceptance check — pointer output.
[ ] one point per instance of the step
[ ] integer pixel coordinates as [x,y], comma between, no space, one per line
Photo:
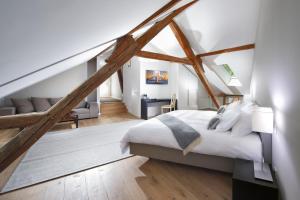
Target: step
[111,105]
[113,108]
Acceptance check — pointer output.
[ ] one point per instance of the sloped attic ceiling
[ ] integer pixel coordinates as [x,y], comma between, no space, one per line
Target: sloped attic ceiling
[170,46]
[37,33]
[212,25]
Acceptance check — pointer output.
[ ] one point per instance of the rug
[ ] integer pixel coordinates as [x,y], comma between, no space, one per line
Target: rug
[65,152]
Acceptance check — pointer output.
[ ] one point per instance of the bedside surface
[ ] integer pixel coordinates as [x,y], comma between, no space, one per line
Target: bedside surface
[244,171]
[246,187]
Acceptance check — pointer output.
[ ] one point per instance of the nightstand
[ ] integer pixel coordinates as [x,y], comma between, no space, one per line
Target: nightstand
[246,187]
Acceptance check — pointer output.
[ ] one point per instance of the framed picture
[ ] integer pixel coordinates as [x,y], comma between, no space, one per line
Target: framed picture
[156,77]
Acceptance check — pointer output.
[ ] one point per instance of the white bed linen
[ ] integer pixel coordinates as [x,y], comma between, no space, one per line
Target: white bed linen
[154,132]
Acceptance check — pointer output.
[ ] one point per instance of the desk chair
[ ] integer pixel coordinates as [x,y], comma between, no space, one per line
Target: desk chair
[170,107]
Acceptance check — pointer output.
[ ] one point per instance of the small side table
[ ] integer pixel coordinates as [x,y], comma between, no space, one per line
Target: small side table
[246,187]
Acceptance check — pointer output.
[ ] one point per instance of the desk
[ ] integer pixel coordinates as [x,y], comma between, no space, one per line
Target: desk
[145,103]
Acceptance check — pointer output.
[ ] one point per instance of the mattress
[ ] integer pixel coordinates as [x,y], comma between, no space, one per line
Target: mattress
[154,132]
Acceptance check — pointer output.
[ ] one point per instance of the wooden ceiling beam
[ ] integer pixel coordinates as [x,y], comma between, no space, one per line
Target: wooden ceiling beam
[163,57]
[159,12]
[184,43]
[20,120]
[197,63]
[125,49]
[228,50]
[158,26]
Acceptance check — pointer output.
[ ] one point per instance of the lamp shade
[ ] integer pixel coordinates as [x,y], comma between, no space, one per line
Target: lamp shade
[262,120]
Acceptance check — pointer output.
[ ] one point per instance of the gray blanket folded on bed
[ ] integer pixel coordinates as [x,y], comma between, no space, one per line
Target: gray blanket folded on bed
[186,137]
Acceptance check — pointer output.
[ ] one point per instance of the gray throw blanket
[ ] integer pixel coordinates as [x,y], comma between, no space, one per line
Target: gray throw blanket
[186,137]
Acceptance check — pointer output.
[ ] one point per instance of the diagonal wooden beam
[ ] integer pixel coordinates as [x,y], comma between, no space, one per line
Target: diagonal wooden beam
[197,63]
[164,57]
[159,12]
[125,49]
[228,50]
[25,120]
[30,135]
[157,27]
[20,120]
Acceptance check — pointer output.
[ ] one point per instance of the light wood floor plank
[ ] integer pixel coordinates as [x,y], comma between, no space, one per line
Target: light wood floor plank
[201,182]
[55,189]
[95,187]
[131,172]
[115,183]
[75,187]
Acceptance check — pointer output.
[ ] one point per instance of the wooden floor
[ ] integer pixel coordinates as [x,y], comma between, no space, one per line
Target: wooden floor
[129,179]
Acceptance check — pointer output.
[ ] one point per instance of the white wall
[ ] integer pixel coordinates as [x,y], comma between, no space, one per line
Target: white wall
[276,83]
[131,81]
[190,94]
[153,90]
[91,68]
[105,88]
[115,87]
[57,86]
[189,90]
[111,87]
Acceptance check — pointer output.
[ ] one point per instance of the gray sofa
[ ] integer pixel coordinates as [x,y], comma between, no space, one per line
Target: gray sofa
[84,109]
[87,110]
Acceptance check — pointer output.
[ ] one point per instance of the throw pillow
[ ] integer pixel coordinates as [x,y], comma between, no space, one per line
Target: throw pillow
[23,105]
[221,110]
[212,124]
[53,101]
[234,106]
[40,104]
[228,120]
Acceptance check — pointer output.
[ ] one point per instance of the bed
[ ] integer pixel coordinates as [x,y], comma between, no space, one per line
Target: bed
[216,151]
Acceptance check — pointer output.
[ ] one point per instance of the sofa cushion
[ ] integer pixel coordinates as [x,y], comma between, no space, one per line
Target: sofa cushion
[53,101]
[40,104]
[81,110]
[23,105]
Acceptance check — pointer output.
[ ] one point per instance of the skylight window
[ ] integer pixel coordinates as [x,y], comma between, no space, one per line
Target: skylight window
[233,81]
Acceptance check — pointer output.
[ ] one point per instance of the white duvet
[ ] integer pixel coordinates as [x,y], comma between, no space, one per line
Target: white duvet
[154,132]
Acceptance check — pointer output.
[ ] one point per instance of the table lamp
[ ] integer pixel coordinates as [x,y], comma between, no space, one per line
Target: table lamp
[262,122]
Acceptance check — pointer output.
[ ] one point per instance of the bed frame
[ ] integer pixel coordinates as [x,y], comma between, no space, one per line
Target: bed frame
[218,163]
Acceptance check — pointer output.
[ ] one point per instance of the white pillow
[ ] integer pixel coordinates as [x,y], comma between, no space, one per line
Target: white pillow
[244,125]
[247,106]
[228,120]
[236,105]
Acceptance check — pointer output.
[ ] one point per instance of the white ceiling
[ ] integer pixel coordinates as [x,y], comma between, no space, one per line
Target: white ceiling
[213,25]
[36,33]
